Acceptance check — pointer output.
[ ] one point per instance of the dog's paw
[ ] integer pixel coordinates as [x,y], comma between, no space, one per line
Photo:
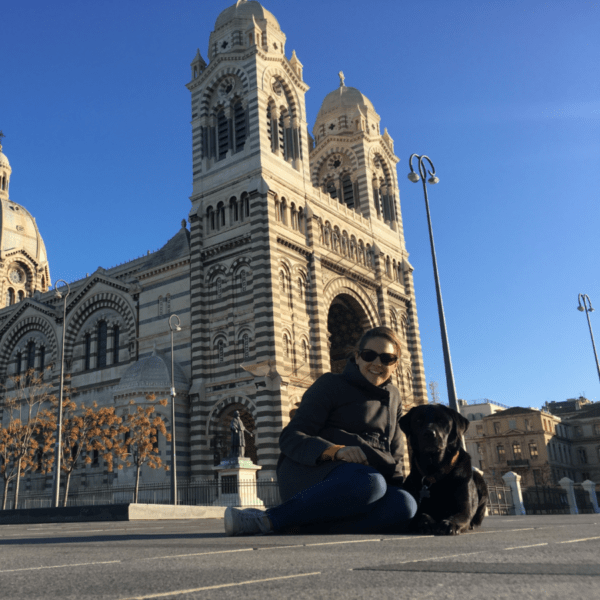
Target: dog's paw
[424,524]
[446,527]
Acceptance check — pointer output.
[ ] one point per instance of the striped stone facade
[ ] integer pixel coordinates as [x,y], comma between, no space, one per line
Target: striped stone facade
[295,247]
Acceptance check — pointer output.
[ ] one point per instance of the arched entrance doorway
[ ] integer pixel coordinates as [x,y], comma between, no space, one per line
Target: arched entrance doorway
[221,441]
[346,323]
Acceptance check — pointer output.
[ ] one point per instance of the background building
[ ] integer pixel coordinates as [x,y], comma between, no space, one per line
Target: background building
[583,416]
[295,247]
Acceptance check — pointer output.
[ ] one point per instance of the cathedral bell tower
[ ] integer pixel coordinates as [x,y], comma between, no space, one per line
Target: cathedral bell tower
[296,250]
[249,138]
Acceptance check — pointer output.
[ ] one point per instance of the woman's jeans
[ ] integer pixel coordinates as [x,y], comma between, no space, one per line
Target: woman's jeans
[353,498]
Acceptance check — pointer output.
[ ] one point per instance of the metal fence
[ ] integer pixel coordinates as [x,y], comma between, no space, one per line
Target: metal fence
[500,500]
[582,498]
[545,500]
[192,493]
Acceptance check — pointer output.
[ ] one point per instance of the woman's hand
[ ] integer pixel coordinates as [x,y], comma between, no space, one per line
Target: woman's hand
[352,454]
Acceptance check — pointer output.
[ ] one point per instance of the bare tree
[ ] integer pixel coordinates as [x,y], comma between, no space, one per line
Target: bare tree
[140,446]
[27,437]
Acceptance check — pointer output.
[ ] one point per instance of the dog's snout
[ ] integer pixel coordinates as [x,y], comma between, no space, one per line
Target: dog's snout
[429,433]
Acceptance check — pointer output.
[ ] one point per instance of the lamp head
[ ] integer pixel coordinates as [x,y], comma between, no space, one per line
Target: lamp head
[580,308]
[177,328]
[57,295]
[433,179]
[413,177]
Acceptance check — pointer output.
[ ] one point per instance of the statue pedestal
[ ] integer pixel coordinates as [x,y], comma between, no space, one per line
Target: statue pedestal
[237,483]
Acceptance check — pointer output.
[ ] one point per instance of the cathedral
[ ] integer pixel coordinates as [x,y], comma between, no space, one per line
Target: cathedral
[293,247]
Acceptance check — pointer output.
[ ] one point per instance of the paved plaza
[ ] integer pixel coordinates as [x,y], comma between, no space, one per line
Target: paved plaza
[509,557]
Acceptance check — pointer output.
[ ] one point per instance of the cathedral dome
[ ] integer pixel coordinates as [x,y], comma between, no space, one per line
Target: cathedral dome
[19,231]
[344,98]
[151,374]
[246,9]
[345,111]
[3,160]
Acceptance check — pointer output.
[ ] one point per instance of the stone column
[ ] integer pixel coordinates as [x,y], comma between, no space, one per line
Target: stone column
[513,480]
[590,488]
[567,485]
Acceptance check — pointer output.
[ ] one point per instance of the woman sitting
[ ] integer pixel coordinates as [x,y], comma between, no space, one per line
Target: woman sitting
[340,467]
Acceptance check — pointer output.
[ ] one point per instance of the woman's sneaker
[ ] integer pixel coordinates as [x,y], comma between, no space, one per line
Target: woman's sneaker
[248,521]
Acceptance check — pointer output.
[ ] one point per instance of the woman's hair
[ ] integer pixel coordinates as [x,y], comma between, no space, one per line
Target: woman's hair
[380,332]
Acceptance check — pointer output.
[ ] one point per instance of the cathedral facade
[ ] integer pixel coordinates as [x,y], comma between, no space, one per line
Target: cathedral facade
[295,247]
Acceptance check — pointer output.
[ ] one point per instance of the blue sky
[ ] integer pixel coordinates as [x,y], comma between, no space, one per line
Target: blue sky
[503,95]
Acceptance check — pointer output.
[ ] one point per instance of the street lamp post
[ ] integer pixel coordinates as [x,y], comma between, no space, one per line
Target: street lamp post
[587,307]
[173,457]
[414,177]
[57,454]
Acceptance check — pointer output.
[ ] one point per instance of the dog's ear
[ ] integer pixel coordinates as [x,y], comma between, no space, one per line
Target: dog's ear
[459,426]
[405,422]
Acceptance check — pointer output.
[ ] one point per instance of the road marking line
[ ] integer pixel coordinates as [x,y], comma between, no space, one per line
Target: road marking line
[581,540]
[532,546]
[220,586]
[507,530]
[346,542]
[197,554]
[106,562]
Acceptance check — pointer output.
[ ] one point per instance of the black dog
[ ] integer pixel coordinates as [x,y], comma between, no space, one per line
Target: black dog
[451,496]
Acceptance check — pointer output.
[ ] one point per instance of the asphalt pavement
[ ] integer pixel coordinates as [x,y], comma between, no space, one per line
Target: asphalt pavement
[555,556]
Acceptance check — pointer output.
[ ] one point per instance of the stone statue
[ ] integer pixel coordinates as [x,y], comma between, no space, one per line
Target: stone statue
[238,442]
[342,79]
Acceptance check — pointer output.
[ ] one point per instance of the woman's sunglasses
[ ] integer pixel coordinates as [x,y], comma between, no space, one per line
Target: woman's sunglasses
[371,355]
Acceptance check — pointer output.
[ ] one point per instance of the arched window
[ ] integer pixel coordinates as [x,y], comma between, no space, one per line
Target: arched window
[331,189]
[281,281]
[21,295]
[233,210]
[116,342]
[282,134]
[246,345]
[245,206]
[31,355]
[10,296]
[42,358]
[222,134]
[304,351]
[376,198]
[168,304]
[301,227]
[348,191]
[283,216]
[244,280]
[286,346]
[582,454]
[102,343]
[210,218]
[300,288]
[269,125]
[19,363]
[220,215]
[88,351]
[221,351]
[239,115]
[219,288]
[294,216]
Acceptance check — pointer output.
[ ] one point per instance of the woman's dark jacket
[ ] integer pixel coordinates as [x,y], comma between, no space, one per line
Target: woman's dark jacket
[345,410]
